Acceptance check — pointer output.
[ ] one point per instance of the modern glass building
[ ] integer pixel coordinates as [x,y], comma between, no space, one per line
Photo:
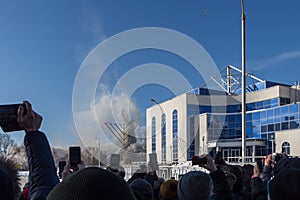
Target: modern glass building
[210,121]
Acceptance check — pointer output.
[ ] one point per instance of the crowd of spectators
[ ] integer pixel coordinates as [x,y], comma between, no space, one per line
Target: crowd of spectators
[273,180]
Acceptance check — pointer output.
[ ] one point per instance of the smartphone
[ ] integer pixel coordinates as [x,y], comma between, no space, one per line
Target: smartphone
[61,166]
[8,117]
[74,157]
[219,158]
[115,161]
[196,160]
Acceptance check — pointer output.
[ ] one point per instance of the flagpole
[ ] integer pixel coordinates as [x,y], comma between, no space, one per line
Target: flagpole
[243,86]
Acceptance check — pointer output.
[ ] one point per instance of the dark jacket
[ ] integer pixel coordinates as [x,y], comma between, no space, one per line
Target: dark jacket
[221,186]
[258,189]
[266,174]
[41,165]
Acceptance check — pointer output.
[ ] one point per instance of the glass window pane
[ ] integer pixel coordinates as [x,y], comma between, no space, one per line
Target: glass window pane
[231,118]
[248,117]
[270,120]
[259,105]
[277,120]
[267,103]
[256,116]
[294,124]
[270,127]
[284,125]
[263,114]
[263,129]
[270,113]
[274,101]
[284,111]
[277,127]
[294,108]
[277,112]
[251,106]
[238,118]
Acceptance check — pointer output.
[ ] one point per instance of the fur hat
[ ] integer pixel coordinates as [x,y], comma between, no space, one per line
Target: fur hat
[91,183]
[194,185]
[10,171]
[168,190]
[285,185]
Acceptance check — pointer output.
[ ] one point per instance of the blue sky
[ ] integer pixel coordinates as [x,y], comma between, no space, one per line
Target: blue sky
[43,44]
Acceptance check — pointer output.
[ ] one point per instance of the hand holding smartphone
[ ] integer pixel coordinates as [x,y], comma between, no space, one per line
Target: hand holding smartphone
[8,117]
[61,166]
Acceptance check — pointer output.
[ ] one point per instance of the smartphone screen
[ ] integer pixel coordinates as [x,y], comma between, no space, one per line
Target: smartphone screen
[74,157]
[8,117]
[115,161]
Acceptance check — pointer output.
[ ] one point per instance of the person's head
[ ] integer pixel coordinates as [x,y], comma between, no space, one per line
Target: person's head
[247,174]
[9,180]
[194,185]
[141,189]
[156,186]
[238,173]
[168,190]
[91,183]
[285,185]
[286,163]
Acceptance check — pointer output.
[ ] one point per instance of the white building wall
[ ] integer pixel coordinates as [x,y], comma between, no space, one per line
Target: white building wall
[290,136]
[178,103]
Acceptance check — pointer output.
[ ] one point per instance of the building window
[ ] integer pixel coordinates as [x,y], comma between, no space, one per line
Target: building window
[175,135]
[163,138]
[286,148]
[153,126]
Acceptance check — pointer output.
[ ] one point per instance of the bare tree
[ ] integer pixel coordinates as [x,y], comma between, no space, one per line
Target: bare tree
[8,146]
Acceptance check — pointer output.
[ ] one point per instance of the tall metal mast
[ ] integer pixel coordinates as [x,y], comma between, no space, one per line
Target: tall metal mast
[243,86]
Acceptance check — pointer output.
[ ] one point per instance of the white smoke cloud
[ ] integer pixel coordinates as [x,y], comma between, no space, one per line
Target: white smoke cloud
[107,108]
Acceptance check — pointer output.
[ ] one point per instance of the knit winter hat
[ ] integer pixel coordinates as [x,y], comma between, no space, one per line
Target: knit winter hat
[194,185]
[168,190]
[91,183]
[285,185]
[142,188]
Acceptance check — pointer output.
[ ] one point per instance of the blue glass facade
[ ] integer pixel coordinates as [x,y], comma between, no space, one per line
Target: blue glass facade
[263,118]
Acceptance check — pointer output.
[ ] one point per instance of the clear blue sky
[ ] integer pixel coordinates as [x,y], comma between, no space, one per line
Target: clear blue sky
[43,43]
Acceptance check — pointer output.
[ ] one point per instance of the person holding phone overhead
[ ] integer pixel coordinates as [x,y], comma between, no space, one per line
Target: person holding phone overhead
[40,160]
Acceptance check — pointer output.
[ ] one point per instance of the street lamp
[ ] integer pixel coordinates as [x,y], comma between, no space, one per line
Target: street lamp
[99,162]
[272,140]
[154,101]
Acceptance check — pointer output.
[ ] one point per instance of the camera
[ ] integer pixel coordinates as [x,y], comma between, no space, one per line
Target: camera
[74,157]
[8,117]
[276,156]
[196,160]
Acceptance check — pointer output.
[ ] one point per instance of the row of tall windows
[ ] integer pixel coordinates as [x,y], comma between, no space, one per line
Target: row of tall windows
[163,138]
[174,145]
